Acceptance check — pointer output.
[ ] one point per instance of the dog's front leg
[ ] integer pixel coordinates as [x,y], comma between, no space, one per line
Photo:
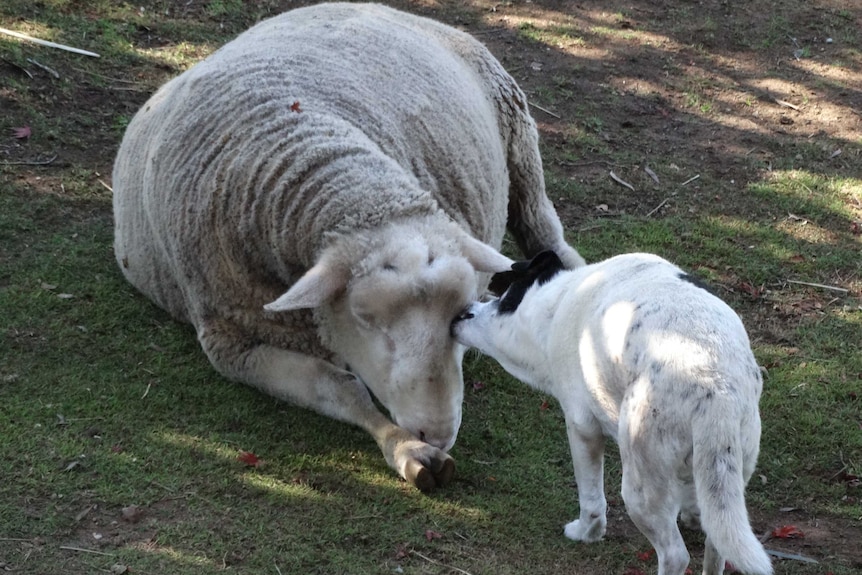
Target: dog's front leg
[587,445]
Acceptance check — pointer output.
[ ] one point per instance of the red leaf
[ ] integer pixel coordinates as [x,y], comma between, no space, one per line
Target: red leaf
[22,132]
[787,532]
[544,405]
[646,555]
[855,228]
[295,107]
[401,551]
[249,459]
[478,385]
[431,535]
[750,289]
[633,571]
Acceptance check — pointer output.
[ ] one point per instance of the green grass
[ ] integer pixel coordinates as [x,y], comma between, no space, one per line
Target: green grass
[105,402]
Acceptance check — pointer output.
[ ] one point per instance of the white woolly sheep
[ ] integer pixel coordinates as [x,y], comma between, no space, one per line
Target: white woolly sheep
[355,166]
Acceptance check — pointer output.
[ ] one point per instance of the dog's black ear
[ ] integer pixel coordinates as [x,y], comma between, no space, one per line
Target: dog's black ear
[541,268]
[542,262]
[523,276]
[500,282]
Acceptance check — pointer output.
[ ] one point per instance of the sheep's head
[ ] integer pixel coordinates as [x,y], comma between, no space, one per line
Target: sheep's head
[385,303]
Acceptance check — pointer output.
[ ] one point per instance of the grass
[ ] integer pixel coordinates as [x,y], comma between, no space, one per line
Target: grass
[106,403]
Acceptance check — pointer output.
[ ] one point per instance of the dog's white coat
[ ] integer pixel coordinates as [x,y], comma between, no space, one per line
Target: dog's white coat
[348,159]
[634,352]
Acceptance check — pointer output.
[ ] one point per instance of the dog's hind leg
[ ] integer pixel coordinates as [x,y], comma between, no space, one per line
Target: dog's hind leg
[588,449]
[713,564]
[690,512]
[653,506]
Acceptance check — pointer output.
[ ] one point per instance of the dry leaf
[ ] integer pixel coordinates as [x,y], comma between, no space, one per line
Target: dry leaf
[645,555]
[787,532]
[21,133]
[295,107]
[651,174]
[431,535]
[132,513]
[249,459]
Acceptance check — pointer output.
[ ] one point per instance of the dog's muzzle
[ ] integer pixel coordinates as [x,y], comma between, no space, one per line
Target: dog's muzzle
[464,315]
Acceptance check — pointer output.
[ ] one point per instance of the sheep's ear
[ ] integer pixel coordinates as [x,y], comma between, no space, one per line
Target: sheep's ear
[317,286]
[483,257]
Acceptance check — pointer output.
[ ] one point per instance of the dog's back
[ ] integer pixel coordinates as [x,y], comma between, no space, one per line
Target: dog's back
[635,349]
[678,364]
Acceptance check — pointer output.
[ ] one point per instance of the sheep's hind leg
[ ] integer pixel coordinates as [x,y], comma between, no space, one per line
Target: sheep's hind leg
[532,219]
[315,384]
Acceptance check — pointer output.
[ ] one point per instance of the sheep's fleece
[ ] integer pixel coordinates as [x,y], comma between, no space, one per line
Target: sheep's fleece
[320,198]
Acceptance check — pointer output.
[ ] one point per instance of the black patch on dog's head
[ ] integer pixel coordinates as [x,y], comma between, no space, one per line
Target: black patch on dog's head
[695,281]
[514,284]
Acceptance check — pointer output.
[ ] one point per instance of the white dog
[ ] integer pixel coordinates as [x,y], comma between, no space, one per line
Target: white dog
[635,349]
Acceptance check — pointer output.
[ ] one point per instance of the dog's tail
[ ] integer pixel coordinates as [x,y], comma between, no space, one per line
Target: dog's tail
[718,477]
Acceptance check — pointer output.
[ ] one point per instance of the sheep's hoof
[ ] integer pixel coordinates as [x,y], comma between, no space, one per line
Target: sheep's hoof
[426,479]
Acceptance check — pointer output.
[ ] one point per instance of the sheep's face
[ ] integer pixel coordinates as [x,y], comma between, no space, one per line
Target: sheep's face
[392,328]
[385,301]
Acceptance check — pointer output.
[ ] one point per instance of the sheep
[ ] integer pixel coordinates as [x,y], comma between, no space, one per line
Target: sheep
[320,197]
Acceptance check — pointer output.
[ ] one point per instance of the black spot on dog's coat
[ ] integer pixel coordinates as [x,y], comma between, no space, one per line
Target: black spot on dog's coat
[695,281]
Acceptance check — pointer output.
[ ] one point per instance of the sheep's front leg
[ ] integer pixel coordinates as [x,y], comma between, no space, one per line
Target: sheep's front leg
[315,384]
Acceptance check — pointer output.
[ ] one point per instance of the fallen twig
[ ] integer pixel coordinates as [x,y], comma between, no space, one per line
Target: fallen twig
[585,163]
[658,207]
[107,187]
[82,550]
[19,66]
[548,112]
[30,162]
[277,570]
[103,77]
[794,556]
[821,286]
[414,552]
[786,104]
[84,513]
[47,43]
[51,71]
[651,174]
[622,182]
[690,180]
[16,539]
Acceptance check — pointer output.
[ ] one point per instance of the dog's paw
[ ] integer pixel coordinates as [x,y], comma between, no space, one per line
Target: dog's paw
[587,531]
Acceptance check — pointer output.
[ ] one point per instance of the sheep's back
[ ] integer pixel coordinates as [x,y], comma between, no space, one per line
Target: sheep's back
[317,121]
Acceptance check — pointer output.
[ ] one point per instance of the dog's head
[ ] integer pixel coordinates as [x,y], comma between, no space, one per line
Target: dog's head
[491,326]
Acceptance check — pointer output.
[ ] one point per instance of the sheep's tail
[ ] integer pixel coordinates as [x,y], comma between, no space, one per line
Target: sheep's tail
[720,486]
